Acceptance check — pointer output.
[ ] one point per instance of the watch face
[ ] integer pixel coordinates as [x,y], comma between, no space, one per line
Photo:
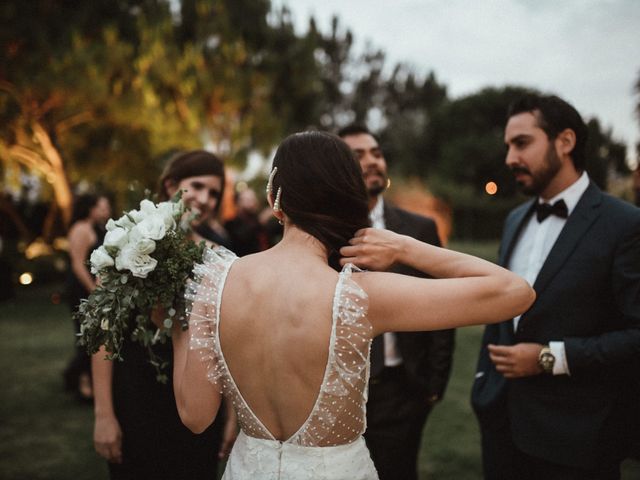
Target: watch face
[546,361]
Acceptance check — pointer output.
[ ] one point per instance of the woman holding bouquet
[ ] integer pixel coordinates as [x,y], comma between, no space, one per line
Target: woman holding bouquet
[285,338]
[137,428]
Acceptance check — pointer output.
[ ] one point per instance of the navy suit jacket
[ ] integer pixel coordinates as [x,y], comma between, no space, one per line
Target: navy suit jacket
[588,295]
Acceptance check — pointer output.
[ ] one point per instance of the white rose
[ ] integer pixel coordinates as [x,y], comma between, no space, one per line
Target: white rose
[111,224]
[100,259]
[152,227]
[168,211]
[141,243]
[148,207]
[116,238]
[125,222]
[137,216]
[139,264]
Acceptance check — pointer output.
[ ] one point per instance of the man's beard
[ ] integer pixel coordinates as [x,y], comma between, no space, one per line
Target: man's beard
[540,180]
[376,190]
[377,187]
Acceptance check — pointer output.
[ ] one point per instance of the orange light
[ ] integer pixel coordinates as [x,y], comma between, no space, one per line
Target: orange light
[491,188]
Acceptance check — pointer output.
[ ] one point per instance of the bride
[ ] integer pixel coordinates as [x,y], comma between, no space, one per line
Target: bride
[285,337]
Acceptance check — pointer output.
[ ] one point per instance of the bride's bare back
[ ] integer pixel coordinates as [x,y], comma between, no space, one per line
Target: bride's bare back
[275,328]
[286,340]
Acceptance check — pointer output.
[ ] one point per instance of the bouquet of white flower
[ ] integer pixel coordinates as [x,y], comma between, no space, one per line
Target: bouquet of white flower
[143,265]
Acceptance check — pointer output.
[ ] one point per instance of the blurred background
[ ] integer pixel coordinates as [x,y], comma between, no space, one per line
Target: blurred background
[96,96]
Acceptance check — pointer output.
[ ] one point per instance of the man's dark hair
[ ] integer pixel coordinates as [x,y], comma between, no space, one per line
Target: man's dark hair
[355,129]
[555,115]
[194,163]
[322,188]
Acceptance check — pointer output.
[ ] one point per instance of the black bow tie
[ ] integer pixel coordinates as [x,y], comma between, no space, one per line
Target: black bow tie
[543,210]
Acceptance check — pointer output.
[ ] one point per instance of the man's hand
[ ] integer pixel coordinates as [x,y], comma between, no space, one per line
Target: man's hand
[516,361]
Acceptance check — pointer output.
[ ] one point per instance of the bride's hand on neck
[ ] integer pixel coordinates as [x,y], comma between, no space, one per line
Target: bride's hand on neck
[373,249]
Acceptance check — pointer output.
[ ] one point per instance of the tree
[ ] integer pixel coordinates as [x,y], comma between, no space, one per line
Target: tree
[59,69]
[107,88]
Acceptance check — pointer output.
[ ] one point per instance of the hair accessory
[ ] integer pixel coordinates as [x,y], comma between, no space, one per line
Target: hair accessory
[270,182]
[276,202]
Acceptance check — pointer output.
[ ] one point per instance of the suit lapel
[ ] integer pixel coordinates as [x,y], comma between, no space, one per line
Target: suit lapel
[512,231]
[391,219]
[578,223]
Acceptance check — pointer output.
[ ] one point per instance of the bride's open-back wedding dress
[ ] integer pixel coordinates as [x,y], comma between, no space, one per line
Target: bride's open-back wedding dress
[329,444]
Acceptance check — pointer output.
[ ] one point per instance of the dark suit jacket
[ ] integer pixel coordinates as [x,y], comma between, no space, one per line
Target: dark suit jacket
[588,295]
[426,355]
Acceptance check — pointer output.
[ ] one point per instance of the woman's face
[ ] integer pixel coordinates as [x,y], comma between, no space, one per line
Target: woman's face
[101,211]
[200,194]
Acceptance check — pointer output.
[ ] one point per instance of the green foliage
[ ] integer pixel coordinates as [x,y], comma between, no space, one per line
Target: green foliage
[124,302]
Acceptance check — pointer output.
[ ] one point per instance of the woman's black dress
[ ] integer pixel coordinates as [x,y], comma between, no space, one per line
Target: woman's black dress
[74,292]
[155,443]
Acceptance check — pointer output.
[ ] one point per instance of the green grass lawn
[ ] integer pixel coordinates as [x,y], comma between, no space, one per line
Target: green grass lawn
[45,434]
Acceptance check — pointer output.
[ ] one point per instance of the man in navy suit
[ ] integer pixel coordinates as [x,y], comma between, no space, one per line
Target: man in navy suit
[556,389]
[409,370]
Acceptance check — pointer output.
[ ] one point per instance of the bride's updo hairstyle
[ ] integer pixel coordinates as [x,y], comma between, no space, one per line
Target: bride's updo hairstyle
[322,188]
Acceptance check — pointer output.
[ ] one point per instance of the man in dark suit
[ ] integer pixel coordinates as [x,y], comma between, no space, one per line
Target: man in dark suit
[409,371]
[554,388]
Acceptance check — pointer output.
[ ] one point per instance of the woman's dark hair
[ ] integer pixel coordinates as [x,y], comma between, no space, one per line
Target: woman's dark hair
[82,206]
[194,163]
[555,115]
[322,188]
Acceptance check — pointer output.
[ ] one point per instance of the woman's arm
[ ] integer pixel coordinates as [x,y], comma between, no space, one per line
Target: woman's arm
[466,290]
[107,435]
[197,399]
[81,239]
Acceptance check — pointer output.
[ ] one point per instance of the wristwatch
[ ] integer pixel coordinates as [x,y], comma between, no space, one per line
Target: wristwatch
[546,359]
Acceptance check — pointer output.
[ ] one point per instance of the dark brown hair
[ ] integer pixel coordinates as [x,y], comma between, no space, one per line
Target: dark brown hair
[555,115]
[322,188]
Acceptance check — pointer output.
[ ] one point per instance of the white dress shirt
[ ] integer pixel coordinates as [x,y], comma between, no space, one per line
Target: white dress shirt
[392,357]
[533,247]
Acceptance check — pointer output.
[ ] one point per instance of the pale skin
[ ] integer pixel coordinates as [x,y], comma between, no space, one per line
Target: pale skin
[288,358]
[527,144]
[82,238]
[200,193]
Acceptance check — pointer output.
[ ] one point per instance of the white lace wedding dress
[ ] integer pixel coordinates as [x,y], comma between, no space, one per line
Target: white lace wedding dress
[329,444]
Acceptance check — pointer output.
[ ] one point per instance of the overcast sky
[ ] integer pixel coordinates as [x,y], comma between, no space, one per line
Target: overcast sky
[586,51]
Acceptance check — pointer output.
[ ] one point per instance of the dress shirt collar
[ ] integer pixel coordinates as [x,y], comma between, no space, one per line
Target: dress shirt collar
[376,215]
[572,194]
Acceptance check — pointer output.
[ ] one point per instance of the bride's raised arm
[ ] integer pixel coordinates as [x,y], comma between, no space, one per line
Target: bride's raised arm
[465,290]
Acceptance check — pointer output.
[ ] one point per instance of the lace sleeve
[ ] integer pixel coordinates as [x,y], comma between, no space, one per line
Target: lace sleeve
[339,415]
[203,295]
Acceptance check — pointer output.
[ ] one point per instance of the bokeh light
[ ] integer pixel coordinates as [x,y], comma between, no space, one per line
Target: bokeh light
[491,188]
[26,278]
